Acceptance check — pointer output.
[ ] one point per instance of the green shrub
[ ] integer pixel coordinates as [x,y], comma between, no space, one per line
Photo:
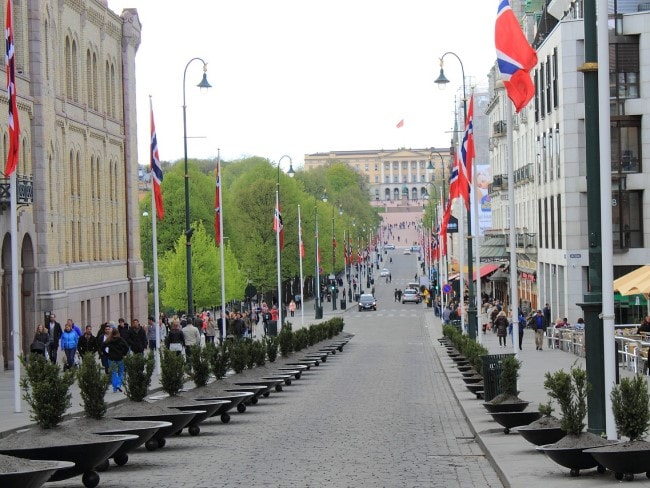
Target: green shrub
[138,369]
[570,391]
[286,340]
[257,350]
[172,374]
[271,344]
[630,407]
[93,383]
[247,344]
[219,360]
[238,352]
[200,365]
[509,374]
[47,390]
[300,339]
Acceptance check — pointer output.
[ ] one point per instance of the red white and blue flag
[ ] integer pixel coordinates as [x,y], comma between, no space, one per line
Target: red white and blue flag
[467,151]
[14,125]
[278,227]
[156,168]
[217,204]
[515,57]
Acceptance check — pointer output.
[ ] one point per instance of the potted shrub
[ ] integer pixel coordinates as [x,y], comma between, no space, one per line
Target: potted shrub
[570,392]
[238,353]
[632,418]
[285,340]
[219,360]
[93,383]
[508,400]
[172,372]
[200,365]
[138,369]
[271,345]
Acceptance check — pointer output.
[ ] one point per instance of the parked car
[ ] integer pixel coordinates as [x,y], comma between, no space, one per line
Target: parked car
[389,246]
[384,272]
[367,302]
[415,248]
[410,295]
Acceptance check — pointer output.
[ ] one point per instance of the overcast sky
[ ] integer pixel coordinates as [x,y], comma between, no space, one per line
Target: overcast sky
[304,76]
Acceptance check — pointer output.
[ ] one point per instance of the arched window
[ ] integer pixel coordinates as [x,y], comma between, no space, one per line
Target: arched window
[68,68]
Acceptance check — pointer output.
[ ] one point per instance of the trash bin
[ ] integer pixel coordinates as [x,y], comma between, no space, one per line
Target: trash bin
[356,297]
[343,304]
[319,311]
[492,374]
[272,328]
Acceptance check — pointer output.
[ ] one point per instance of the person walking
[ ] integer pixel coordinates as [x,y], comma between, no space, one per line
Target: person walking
[54,330]
[540,323]
[137,338]
[192,337]
[87,342]
[69,340]
[210,329]
[175,340]
[292,307]
[502,328]
[41,341]
[116,350]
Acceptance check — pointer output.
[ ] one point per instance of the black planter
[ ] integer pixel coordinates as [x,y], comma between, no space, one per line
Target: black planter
[295,371]
[178,420]
[472,379]
[255,390]
[469,372]
[307,364]
[625,463]
[459,359]
[144,431]
[85,456]
[573,458]
[507,407]
[540,436]
[235,399]
[283,378]
[209,409]
[33,476]
[514,419]
[475,387]
[267,386]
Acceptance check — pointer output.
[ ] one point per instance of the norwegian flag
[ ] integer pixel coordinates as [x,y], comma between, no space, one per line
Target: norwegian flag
[14,124]
[458,187]
[217,205]
[467,152]
[156,168]
[515,57]
[278,227]
[301,244]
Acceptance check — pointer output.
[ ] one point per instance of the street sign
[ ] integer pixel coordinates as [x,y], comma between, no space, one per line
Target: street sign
[452,225]
[446,288]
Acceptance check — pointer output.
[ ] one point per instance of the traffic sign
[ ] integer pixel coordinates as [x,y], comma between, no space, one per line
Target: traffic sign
[446,288]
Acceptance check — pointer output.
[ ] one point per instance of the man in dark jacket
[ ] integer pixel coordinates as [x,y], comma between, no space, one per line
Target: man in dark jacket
[54,330]
[87,342]
[137,337]
[123,329]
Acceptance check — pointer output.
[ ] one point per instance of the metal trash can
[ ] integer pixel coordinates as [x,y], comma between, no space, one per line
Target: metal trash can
[343,304]
[356,297]
[319,312]
[492,374]
[272,328]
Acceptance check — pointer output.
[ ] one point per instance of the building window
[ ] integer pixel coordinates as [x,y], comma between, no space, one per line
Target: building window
[558,202]
[414,178]
[386,166]
[395,179]
[423,178]
[376,178]
[555,79]
[627,218]
[386,179]
[626,144]
[395,165]
[367,167]
[624,70]
[552,223]
[376,167]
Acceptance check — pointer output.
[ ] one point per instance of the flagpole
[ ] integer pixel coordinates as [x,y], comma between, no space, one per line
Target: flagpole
[514,293]
[221,251]
[461,265]
[300,250]
[156,296]
[14,290]
[277,251]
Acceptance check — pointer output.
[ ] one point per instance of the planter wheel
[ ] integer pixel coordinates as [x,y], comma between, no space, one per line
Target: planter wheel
[151,445]
[278,387]
[90,479]
[601,469]
[629,477]
[225,417]
[161,442]
[194,430]
[178,432]
[506,430]
[266,394]
[287,382]
[297,375]
[103,466]
[647,474]
[241,408]
[574,473]
[254,400]
[121,459]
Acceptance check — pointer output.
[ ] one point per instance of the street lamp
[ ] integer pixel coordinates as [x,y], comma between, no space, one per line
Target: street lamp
[188,229]
[441,81]
[291,172]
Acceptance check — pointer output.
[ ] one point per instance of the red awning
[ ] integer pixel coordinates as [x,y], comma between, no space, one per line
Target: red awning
[486,269]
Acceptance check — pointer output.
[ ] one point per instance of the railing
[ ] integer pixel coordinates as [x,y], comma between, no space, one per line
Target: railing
[25,191]
[524,174]
[499,128]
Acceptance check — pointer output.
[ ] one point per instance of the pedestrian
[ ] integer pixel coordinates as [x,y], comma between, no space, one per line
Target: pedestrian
[210,329]
[192,337]
[446,313]
[502,328]
[123,328]
[54,330]
[41,341]
[539,330]
[102,342]
[116,350]
[522,326]
[69,340]
[151,333]
[88,342]
[175,340]
[137,338]
[292,307]
[547,316]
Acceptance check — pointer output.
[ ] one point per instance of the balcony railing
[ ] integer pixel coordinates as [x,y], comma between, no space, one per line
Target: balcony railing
[499,128]
[25,191]
[524,174]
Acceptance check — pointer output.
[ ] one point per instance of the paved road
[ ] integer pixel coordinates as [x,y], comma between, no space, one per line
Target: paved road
[382,413]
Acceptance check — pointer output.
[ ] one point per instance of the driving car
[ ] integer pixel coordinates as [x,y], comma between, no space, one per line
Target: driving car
[367,302]
[410,295]
[384,272]
[407,251]
[415,248]
[389,246]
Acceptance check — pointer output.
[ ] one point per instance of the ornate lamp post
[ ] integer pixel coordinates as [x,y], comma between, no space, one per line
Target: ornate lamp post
[291,172]
[188,229]
[471,309]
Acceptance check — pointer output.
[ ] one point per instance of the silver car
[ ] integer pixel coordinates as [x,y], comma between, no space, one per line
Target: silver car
[410,295]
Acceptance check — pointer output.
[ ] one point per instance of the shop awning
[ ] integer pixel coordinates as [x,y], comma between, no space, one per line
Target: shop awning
[634,283]
[486,269]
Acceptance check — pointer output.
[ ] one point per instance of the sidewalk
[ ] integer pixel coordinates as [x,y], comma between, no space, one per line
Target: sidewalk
[515,459]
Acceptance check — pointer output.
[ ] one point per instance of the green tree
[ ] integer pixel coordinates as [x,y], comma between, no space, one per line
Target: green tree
[206,273]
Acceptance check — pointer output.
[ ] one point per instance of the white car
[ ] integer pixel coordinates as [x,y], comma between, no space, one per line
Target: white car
[410,295]
[407,251]
[384,272]
[389,246]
